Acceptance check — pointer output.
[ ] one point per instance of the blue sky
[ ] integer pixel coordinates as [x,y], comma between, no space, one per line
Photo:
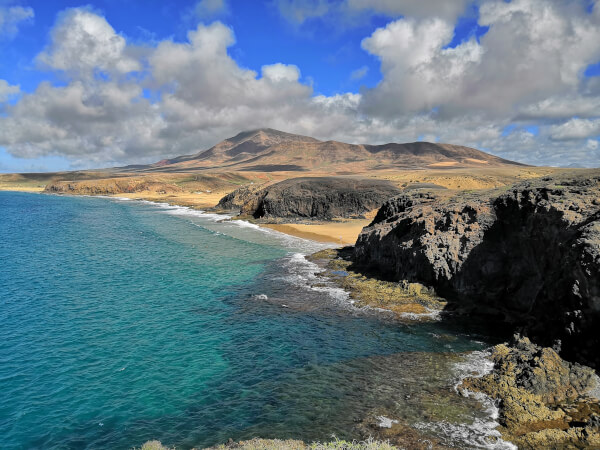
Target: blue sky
[326,55]
[490,74]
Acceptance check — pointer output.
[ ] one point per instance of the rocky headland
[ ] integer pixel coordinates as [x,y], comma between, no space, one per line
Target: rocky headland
[525,258]
[318,198]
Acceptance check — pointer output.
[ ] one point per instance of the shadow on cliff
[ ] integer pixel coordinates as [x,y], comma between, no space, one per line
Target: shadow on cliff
[533,271]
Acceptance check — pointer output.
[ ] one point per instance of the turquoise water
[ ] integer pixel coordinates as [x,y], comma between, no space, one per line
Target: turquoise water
[125,321]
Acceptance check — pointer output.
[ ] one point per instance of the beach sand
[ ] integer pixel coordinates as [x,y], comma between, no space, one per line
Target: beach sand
[195,200]
[343,233]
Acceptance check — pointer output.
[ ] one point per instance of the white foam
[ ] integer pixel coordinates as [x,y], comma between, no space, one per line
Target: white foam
[385,422]
[482,433]
[303,273]
[431,314]
[228,227]
[246,224]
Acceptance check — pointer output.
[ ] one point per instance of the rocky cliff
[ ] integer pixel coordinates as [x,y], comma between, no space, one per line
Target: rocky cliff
[315,198]
[528,257]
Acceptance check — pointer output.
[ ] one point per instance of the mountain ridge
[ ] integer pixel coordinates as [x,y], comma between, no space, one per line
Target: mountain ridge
[267,149]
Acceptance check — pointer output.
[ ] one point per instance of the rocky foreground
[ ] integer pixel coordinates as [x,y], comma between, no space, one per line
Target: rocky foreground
[545,402]
[526,258]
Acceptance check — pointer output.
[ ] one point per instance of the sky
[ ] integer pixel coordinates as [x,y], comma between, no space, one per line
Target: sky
[105,83]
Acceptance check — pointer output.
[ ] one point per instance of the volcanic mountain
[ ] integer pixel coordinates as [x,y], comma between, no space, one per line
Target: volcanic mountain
[267,150]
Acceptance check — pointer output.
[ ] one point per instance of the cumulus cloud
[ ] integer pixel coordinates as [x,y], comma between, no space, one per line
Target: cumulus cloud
[575,129]
[7,91]
[531,52]
[84,42]
[11,17]
[186,96]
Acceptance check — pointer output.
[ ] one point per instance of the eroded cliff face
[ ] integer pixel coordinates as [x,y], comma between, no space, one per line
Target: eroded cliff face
[313,198]
[528,256]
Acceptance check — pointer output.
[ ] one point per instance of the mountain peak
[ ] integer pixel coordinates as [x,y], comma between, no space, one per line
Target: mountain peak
[268,136]
[266,149]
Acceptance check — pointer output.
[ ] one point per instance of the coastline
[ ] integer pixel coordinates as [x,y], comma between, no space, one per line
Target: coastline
[342,233]
[320,232]
[329,232]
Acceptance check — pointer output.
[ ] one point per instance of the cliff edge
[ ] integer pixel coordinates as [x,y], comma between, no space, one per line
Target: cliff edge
[526,258]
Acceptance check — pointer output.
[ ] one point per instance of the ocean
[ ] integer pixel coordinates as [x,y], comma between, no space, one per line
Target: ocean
[125,321]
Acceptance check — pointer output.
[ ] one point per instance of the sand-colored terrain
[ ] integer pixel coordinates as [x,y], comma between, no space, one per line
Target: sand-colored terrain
[343,233]
[203,190]
[260,158]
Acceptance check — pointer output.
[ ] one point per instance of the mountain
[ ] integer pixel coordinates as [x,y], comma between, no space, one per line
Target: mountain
[266,150]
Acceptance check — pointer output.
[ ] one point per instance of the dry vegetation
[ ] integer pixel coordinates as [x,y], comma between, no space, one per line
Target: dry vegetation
[289,444]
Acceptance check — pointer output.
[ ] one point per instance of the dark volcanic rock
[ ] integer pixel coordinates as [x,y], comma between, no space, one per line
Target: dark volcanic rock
[314,198]
[545,402]
[529,256]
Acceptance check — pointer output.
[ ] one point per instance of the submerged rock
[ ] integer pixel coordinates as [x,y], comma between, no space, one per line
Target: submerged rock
[528,256]
[545,402]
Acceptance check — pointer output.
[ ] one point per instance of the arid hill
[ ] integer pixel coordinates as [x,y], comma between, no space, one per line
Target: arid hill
[267,150]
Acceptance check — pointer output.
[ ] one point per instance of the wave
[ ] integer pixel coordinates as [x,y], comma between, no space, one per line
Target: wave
[241,229]
[482,433]
[302,273]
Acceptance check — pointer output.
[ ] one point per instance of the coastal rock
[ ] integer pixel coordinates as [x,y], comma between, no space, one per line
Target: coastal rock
[236,200]
[110,187]
[528,256]
[545,402]
[313,198]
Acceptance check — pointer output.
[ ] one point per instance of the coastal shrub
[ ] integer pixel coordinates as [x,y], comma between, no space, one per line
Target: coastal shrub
[369,444]
[263,444]
[154,445]
[277,444]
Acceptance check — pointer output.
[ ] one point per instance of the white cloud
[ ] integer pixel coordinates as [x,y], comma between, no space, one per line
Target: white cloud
[210,8]
[526,70]
[84,42]
[279,73]
[447,9]
[7,91]
[575,129]
[531,52]
[359,73]
[11,17]
[298,11]
[351,12]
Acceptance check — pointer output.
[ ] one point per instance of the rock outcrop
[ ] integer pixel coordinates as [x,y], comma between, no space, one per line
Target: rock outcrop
[528,256]
[545,402]
[313,198]
[110,186]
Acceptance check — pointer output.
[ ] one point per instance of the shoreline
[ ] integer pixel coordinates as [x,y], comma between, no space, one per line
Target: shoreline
[315,233]
[326,232]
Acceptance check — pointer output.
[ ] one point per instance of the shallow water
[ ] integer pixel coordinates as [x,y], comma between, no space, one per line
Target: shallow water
[124,321]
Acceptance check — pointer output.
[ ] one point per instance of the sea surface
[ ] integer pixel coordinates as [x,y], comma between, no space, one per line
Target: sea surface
[125,321]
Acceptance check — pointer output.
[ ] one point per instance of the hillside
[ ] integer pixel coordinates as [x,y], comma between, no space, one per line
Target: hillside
[268,150]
